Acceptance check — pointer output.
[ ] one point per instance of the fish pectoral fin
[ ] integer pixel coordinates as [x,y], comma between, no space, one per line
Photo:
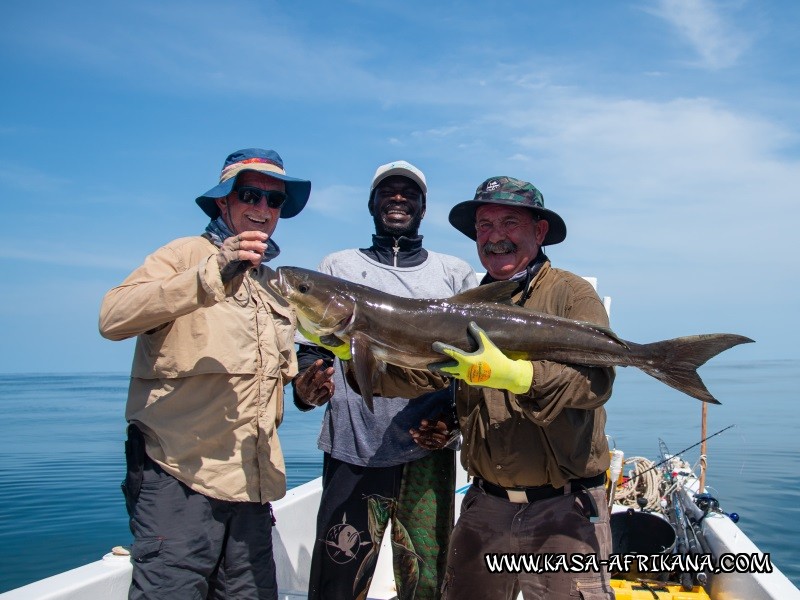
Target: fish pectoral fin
[364,366]
[498,291]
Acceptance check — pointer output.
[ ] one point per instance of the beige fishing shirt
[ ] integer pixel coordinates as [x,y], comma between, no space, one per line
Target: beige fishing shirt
[208,370]
[552,433]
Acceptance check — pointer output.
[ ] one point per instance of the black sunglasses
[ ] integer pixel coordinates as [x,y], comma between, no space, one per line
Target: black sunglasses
[253,195]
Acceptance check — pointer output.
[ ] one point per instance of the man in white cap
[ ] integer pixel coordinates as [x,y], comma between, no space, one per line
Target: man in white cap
[214,350]
[374,471]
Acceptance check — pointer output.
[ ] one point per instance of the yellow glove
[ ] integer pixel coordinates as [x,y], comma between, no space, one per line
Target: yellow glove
[341,351]
[486,367]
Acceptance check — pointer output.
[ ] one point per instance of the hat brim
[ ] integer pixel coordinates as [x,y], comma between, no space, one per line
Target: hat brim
[297,192]
[401,172]
[462,217]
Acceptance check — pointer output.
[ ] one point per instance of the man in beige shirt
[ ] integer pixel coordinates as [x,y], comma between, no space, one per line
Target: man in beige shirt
[214,350]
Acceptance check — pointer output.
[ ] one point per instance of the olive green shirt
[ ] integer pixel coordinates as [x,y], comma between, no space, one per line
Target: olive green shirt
[552,433]
[555,431]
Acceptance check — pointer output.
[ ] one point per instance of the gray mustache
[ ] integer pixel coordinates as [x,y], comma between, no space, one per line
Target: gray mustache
[499,248]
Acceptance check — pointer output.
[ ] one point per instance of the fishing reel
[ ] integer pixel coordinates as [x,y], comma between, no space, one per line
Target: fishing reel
[707,503]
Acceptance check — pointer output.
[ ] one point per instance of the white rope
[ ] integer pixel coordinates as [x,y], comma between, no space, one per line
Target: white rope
[645,482]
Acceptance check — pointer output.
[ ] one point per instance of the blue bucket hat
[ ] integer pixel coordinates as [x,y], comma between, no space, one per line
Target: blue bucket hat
[268,162]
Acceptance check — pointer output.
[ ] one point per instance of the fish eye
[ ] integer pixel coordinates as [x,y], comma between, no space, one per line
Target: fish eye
[303,288]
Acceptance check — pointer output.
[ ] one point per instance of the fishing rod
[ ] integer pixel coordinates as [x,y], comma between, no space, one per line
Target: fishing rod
[686,539]
[658,464]
[675,518]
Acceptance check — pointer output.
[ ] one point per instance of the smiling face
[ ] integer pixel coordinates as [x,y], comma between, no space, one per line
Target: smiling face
[508,238]
[251,217]
[397,207]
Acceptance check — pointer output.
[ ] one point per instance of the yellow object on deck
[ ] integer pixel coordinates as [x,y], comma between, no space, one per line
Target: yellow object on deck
[650,590]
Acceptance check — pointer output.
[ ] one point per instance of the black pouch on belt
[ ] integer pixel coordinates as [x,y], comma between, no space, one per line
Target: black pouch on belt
[134,462]
[588,503]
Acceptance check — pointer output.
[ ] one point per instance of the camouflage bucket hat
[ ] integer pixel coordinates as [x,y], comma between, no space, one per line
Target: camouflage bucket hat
[508,192]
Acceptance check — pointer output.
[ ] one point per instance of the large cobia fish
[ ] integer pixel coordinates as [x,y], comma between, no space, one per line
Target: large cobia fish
[382,328]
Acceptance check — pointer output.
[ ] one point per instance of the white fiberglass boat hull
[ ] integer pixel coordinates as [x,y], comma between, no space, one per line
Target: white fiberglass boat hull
[293,540]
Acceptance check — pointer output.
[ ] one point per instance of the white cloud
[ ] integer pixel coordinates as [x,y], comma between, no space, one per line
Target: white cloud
[705,27]
[438,132]
[689,179]
[681,145]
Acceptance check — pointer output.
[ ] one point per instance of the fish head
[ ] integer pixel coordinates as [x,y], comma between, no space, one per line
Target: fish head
[324,304]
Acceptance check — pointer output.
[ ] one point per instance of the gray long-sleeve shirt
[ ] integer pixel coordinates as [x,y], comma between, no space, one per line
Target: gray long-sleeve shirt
[350,432]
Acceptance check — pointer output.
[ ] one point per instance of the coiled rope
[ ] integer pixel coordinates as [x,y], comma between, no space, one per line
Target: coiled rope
[645,482]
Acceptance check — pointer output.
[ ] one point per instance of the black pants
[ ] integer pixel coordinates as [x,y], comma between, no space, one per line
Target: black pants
[356,505]
[189,546]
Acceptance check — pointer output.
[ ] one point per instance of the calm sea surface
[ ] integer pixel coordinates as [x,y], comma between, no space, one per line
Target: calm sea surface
[61,459]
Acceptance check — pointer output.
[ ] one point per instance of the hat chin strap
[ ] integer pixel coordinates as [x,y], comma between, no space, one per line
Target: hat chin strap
[229,220]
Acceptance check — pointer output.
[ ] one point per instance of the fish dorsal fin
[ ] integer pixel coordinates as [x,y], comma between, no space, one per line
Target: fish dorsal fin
[497,291]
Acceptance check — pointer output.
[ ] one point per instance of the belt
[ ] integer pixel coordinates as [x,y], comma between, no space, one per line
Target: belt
[539,492]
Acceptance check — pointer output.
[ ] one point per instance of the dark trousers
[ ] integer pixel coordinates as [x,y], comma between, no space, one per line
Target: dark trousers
[189,546]
[357,504]
[494,526]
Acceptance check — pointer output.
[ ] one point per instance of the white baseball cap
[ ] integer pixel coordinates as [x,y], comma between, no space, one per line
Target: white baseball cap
[402,168]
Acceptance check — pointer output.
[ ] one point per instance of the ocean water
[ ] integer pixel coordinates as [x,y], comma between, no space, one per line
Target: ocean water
[61,458]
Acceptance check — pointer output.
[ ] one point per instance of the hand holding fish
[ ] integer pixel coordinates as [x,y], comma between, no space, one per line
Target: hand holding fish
[486,367]
[241,252]
[314,386]
[436,433]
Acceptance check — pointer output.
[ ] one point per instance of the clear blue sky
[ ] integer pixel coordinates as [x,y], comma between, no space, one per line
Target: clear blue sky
[665,132]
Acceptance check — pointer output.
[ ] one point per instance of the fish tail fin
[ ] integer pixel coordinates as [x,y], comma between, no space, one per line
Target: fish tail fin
[678,360]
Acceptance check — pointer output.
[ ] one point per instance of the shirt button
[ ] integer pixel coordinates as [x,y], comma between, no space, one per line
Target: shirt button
[498,467]
[496,426]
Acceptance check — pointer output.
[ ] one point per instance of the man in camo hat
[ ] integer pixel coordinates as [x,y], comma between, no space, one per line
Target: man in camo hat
[533,431]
